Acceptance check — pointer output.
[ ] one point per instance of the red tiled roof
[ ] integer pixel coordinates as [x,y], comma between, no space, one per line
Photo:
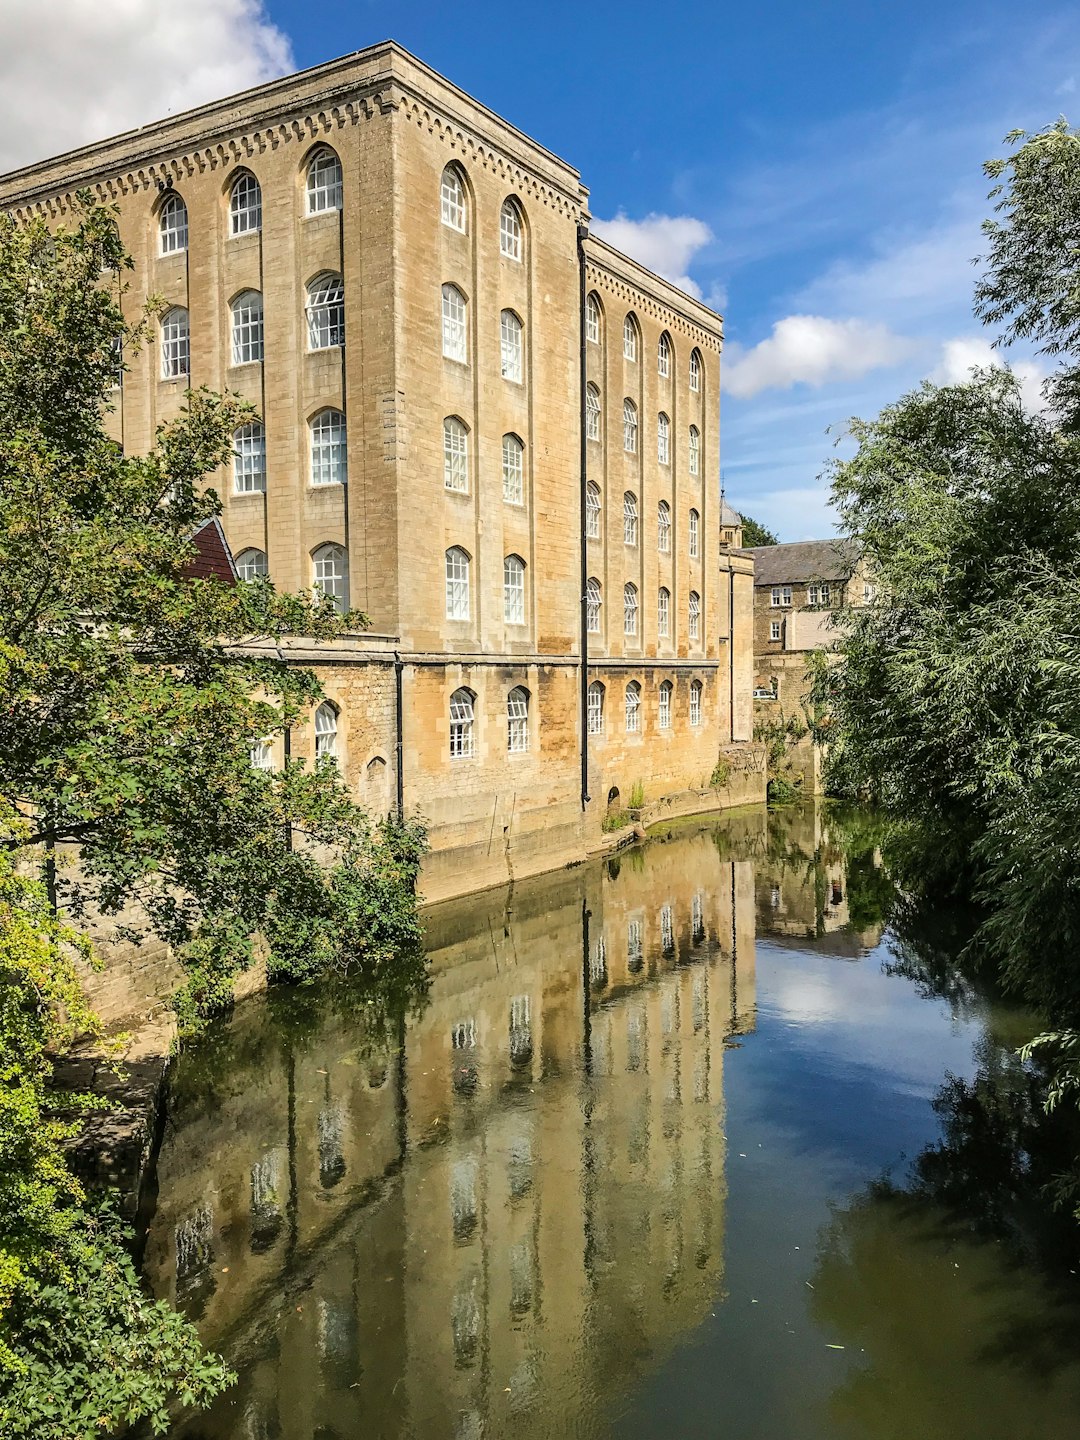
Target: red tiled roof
[213,558]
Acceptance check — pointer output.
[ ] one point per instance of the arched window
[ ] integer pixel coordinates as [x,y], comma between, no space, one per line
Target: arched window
[663,439]
[629,518]
[592,411]
[592,606]
[330,574]
[173,226]
[251,564]
[663,611]
[245,204]
[261,755]
[695,370]
[695,702]
[596,708]
[461,724]
[592,510]
[452,199]
[629,596]
[454,340]
[457,584]
[512,347]
[664,712]
[514,590]
[510,230]
[695,615]
[329,448]
[326,312]
[323,182]
[326,718]
[695,535]
[663,527]
[663,356]
[592,319]
[455,444]
[630,338]
[513,467]
[629,427]
[695,450]
[247,328]
[517,720]
[633,707]
[175,344]
[249,458]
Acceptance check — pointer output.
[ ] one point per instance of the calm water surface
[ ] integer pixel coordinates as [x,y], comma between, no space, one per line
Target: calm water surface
[617,1175]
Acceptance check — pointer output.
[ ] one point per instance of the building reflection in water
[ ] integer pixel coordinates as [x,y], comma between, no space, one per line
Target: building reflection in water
[496,1226]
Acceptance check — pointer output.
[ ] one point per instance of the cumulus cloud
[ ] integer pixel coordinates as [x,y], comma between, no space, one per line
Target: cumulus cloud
[966,353]
[812,350]
[76,71]
[665,244]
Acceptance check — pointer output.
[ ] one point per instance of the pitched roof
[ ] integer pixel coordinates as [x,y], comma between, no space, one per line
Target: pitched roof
[212,557]
[728,516]
[802,561]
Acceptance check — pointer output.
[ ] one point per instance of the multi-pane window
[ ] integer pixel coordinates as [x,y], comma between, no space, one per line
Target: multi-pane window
[695,702]
[461,724]
[695,535]
[596,708]
[663,527]
[629,427]
[695,450]
[510,230]
[513,467]
[663,356]
[780,595]
[818,595]
[592,510]
[245,205]
[592,320]
[247,328]
[261,754]
[329,450]
[326,312]
[664,711]
[517,721]
[249,458]
[663,611]
[629,518]
[325,732]
[630,608]
[173,226]
[175,344]
[695,371]
[455,455]
[323,182]
[633,707]
[592,606]
[514,590]
[457,584]
[774,629]
[454,342]
[511,346]
[330,574]
[251,564]
[663,439]
[629,338]
[695,615]
[452,199]
[592,412]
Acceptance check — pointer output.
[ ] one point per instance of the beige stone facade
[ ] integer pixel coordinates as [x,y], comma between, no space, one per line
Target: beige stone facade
[391,274]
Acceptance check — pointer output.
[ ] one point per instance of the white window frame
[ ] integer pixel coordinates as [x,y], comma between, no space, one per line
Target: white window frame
[630,609]
[325,310]
[694,615]
[774,629]
[663,439]
[455,334]
[326,732]
[175,344]
[245,205]
[663,357]
[517,721]
[330,574]
[455,456]
[593,601]
[780,595]
[246,314]
[818,594]
[511,230]
[325,182]
[251,564]
[629,518]
[695,371]
[629,427]
[663,709]
[592,412]
[695,450]
[695,702]
[462,733]
[328,448]
[596,708]
[173,230]
[453,208]
[249,459]
[458,576]
[663,612]
[512,347]
[592,320]
[694,532]
[592,511]
[633,708]
[514,590]
[663,527]
[629,338]
[261,754]
[513,470]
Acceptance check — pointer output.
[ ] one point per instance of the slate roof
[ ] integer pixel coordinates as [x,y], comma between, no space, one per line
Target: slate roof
[804,560]
[212,557]
[728,516]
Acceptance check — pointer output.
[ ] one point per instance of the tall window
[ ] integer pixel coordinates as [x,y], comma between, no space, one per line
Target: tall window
[663,439]
[457,584]
[247,328]
[513,467]
[329,449]
[326,732]
[695,615]
[695,450]
[461,724]
[249,458]
[245,205]
[251,564]
[629,608]
[695,702]
[663,527]
[633,707]
[175,344]
[517,721]
[592,320]
[330,574]
[261,754]
[663,611]
[510,230]
[596,708]
[455,443]
[664,713]
[695,535]
[592,412]
[629,338]
[324,185]
[511,346]
[663,356]
[173,226]
[514,590]
[695,371]
[452,199]
[326,312]
[592,510]
[629,518]
[592,606]
[629,427]
[454,341]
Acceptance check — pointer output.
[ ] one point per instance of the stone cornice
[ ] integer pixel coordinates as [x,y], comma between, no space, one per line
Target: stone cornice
[610,269]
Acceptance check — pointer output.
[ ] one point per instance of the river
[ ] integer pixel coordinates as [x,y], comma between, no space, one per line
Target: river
[657,1154]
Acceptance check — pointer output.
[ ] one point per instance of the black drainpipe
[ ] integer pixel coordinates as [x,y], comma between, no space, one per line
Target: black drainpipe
[399,748]
[582,233]
[731,643]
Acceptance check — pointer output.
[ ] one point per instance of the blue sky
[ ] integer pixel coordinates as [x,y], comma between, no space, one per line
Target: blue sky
[816,175]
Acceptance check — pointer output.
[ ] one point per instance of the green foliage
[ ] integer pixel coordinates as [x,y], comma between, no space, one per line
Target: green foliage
[721,773]
[779,734]
[637,795]
[615,820]
[755,534]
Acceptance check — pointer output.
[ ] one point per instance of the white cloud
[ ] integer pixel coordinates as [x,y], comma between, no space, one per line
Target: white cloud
[812,350]
[665,244]
[75,71]
[970,352]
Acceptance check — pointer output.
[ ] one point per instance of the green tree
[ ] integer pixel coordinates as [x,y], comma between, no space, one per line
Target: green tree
[755,533]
